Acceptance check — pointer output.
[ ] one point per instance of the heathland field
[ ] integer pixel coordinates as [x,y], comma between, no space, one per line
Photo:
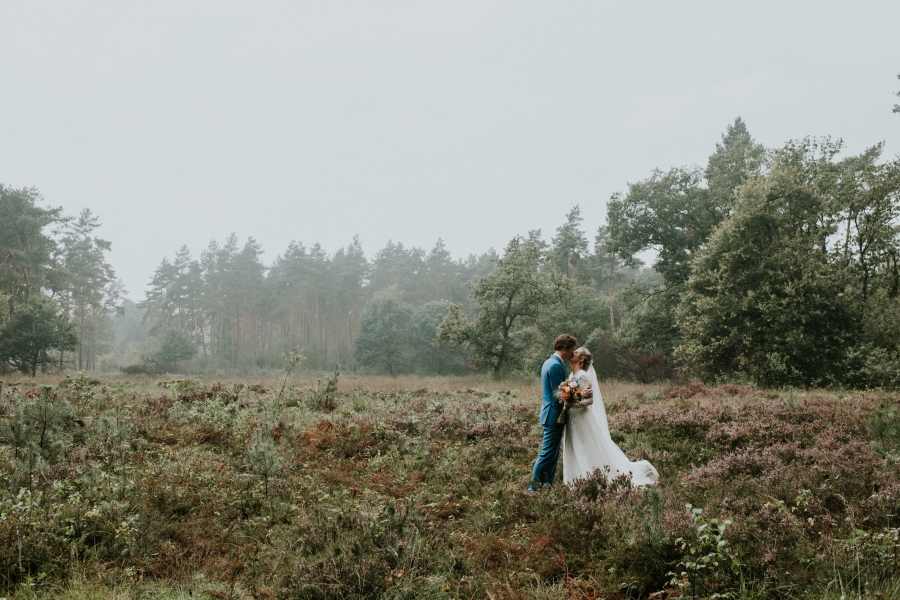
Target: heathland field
[393,488]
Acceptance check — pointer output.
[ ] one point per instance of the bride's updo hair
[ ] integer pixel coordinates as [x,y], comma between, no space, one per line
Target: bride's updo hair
[587,356]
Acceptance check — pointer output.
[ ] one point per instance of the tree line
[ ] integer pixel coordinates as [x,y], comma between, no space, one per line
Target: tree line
[58,293]
[234,313]
[227,311]
[772,266]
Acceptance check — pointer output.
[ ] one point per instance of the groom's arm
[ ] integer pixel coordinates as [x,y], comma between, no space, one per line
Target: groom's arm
[559,375]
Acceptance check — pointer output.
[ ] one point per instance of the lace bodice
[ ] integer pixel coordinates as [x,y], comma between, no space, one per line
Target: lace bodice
[585,382]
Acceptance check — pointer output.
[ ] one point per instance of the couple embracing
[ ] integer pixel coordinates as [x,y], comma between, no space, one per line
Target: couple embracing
[581,427]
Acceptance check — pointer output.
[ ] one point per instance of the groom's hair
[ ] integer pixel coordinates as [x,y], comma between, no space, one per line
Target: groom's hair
[564,342]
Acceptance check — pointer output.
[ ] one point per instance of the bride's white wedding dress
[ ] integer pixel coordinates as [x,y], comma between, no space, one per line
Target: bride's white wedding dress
[588,445]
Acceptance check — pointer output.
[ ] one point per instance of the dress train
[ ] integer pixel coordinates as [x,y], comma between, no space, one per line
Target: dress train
[588,445]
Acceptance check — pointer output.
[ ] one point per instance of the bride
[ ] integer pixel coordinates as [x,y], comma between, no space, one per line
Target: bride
[588,445]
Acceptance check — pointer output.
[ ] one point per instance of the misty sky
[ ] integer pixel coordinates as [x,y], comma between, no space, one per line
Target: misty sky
[179,122]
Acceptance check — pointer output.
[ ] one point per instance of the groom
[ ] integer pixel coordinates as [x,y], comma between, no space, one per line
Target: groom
[553,373]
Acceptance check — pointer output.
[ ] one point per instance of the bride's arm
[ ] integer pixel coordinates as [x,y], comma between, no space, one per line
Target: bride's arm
[586,385]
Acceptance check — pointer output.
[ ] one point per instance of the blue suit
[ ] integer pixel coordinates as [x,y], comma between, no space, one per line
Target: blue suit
[553,373]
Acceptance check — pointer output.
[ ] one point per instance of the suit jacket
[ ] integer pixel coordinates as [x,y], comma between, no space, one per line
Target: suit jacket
[553,373]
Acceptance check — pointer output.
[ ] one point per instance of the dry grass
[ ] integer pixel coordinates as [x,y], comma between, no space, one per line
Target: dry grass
[524,386]
[437,466]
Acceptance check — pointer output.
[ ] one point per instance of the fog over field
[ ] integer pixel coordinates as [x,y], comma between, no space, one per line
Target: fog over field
[449,300]
[182,122]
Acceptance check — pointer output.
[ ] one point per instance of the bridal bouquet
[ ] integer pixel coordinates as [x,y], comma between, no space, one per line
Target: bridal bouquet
[569,394]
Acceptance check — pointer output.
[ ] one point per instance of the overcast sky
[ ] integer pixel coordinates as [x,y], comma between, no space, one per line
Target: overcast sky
[180,122]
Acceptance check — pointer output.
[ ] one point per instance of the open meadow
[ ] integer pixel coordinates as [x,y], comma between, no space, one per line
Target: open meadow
[133,487]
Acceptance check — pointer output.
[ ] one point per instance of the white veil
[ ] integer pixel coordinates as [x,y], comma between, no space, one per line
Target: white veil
[599,410]
[594,448]
[595,385]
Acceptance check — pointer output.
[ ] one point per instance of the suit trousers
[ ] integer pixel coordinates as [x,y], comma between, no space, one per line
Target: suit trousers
[545,465]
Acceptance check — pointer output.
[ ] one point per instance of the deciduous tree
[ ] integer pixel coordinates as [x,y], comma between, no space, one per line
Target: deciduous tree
[768,299]
[674,212]
[509,298]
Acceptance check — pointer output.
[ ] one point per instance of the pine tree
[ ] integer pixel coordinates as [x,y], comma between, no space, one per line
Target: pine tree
[384,332]
[34,330]
[737,158]
[175,346]
[92,292]
[28,250]
[569,246]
